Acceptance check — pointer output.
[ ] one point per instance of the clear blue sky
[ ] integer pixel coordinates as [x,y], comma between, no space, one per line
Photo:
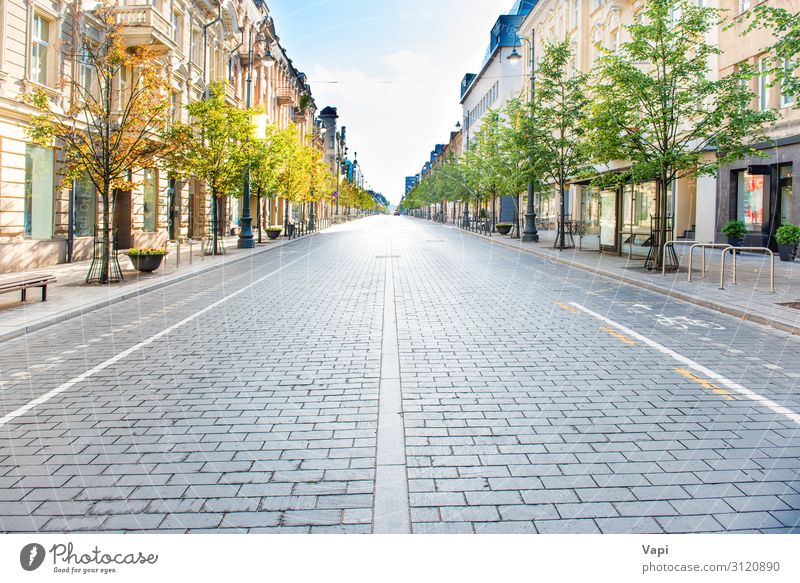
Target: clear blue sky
[392,68]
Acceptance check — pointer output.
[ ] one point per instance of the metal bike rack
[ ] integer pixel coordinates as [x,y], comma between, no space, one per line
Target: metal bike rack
[704,246]
[736,250]
[672,244]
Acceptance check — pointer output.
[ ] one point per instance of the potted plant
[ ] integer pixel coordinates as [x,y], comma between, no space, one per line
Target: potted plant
[735,231]
[503,228]
[788,237]
[274,232]
[147,260]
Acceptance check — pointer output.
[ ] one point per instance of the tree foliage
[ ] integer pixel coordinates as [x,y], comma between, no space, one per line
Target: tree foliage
[109,129]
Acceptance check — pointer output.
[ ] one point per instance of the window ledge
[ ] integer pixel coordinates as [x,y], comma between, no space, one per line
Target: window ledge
[51,92]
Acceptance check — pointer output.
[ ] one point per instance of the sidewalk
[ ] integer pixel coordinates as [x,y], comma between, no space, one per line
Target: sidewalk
[748,299]
[70,297]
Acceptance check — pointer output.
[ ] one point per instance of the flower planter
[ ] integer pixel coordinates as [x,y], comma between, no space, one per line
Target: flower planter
[735,241]
[503,229]
[273,234]
[788,253]
[146,263]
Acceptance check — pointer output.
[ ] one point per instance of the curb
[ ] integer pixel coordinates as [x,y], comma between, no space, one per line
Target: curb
[692,299]
[151,287]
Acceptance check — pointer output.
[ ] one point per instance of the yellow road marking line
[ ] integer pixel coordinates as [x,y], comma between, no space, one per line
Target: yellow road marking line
[568,308]
[621,337]
[705,384]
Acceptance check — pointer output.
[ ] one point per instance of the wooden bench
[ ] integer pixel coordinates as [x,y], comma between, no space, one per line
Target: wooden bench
[24,283]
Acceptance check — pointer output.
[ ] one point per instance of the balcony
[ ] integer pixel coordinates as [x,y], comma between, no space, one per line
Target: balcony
[230,94]
[285,96]
[299,115]
[145,26]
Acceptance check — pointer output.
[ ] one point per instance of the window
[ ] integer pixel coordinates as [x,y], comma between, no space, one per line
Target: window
[85,207]
[750,200]
[787,99]
[614,45]
[194,48]
[576,11]
[85,72]
[786,176]
[39,192]
[40,48]
[176,27]
[150,189]
[763,89]
[744,6]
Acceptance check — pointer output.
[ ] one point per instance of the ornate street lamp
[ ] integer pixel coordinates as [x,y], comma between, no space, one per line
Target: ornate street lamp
[530,233]
[246,238]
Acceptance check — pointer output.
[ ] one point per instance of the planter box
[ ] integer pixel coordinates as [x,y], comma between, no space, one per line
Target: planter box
[503,229]
[788,253]
[273,234]
[146,263]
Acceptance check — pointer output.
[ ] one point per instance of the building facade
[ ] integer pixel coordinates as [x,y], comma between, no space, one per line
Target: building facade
[759,191]
[43,220]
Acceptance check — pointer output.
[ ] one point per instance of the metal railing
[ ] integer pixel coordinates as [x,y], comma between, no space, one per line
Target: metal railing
[703,246]
[672,244]
[726,248]
[734,251]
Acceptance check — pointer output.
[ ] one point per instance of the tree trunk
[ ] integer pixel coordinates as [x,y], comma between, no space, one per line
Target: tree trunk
[215,222]
[105,265]
[562,244]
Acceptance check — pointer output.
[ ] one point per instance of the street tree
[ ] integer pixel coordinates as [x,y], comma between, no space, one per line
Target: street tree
[213,147]
[784,53]
[267,160]
[657,104]
[562,111]
[109,128]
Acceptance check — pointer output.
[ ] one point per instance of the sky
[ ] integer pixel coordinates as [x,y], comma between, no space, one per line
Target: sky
[392,68]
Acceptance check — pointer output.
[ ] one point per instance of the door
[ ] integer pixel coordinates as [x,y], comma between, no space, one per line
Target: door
[608,220]
[122,218]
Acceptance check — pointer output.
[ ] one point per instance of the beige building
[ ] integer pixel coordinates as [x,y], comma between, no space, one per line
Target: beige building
[619,218]
[760,192]
[202,41]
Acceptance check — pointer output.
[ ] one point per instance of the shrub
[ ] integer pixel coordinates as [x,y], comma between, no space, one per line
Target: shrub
[146,252]
[734,229]
[788,235]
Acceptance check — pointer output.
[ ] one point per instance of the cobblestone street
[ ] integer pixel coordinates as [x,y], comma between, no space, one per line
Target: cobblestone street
[392,375]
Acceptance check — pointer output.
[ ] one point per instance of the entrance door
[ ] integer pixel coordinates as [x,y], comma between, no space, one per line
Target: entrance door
[608,220]
[123,218]
[785,184]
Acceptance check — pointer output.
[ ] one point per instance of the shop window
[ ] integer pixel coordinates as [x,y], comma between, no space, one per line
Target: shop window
[85,207]
[750,200]
[39,192]
[150,190]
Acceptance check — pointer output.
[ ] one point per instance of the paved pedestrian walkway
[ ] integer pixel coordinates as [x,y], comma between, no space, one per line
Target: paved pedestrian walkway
[70,297]
[391,375]
[750,298]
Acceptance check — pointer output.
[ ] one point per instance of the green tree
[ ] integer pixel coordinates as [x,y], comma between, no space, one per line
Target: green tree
[213,147]
[490,162]
[107,130]
[562,111]
[657,105]
[268,156]
[784,52]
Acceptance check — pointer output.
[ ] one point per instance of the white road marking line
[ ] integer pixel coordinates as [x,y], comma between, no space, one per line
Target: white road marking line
[769,404]
[125,353]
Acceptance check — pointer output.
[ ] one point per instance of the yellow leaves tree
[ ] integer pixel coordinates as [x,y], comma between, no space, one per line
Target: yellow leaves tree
[110,127]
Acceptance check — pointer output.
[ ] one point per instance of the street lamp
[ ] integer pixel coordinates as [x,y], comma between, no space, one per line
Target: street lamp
[530,233]
[246,238]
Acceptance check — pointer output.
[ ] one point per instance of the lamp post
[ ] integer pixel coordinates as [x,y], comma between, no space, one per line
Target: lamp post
[530,234]
[246,238]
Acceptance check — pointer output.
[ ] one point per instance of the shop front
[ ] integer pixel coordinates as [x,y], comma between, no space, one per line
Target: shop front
[619,217]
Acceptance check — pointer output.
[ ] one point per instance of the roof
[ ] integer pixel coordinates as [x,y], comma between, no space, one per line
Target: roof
[329,112]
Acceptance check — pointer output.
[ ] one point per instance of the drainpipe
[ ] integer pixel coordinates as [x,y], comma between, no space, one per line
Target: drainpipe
[205,46]
[71,222]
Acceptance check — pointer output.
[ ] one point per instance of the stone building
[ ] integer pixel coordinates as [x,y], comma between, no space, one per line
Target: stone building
[201,42]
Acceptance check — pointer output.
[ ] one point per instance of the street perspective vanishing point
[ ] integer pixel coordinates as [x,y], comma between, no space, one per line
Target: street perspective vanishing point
[229,307]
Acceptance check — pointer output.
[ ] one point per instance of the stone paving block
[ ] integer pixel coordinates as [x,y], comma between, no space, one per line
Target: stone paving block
[577,526]
[311,517]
